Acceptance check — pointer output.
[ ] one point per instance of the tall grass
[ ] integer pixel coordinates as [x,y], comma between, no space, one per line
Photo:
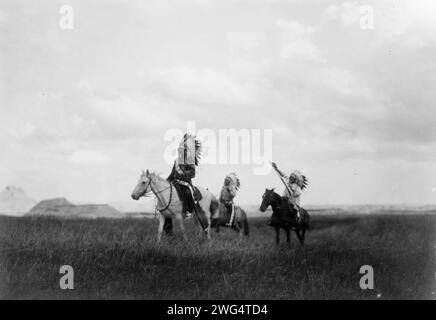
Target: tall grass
[120,259]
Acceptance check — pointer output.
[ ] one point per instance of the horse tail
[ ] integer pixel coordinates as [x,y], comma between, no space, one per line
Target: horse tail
[245,222]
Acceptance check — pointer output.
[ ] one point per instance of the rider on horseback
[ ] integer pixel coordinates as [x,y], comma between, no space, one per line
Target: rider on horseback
[183,171]
[296,183]
[228,193]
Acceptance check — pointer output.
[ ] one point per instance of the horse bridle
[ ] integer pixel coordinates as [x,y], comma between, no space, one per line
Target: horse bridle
[156,192]
[169,200]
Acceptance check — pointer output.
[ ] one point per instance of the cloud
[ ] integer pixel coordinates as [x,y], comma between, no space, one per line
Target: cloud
[100,98]
[88,157]
[3,18]
[297,43]
[21,129]
[205,86]
[244,42]
[129,111]
[347,13]
[408,23]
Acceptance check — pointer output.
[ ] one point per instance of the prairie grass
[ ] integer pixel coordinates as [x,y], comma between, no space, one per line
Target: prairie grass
[120,259]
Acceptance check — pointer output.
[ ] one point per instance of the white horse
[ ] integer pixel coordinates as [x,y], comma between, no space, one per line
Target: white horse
[169,205]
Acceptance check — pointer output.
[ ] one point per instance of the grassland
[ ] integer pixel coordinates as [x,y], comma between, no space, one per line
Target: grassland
[120,259]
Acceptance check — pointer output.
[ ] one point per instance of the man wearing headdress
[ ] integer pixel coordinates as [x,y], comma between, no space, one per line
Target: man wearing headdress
[296,183]
[183,171]
[228,193]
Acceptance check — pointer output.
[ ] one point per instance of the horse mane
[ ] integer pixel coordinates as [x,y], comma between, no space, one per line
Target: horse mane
[277,197]
[158,175]
[155,174]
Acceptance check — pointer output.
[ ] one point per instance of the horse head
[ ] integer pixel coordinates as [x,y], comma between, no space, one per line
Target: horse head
[267,199]
[143,185]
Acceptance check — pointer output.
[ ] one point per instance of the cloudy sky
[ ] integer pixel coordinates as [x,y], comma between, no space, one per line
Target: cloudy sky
[82,110]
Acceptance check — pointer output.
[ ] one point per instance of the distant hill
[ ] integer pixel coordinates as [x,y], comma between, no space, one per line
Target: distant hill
[61,207]
[14,201]
[253,210]
[370,209]
[143,205]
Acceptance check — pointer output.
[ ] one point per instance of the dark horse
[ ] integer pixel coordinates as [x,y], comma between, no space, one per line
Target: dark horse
[285,216]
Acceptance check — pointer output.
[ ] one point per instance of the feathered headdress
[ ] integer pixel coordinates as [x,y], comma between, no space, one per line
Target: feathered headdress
[232,180]
[300,179]
[191,148]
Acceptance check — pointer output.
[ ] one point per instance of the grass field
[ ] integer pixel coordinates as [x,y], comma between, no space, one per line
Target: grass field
[120,259]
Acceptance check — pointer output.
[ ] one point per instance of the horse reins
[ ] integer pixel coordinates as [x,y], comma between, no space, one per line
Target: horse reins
[169,201]
[156,192]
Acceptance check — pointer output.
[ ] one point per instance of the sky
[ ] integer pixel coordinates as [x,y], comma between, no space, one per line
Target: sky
[349,103]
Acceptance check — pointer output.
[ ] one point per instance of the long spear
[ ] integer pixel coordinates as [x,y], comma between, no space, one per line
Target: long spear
[280,174]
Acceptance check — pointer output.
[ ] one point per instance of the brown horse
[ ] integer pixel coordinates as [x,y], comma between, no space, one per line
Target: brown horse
[240,221]
[285,216]
[228,214]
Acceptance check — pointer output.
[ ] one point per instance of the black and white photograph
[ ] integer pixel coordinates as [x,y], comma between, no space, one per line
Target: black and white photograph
[217,151]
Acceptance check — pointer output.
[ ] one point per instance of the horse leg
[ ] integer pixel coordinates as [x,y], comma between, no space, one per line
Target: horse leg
[200,230]
[303,232]
[179,217]
[298,233]
[288,237]
[160,228]
[203,220]
[217,226]
[197,222]
[168,226]
[277,229]
[238,228]
[246,226]
[209,225]
[207,230]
